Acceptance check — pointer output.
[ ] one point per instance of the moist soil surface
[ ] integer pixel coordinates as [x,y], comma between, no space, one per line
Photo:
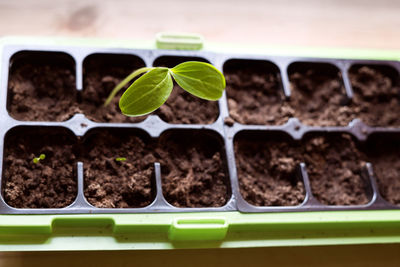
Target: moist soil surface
[193,171]
[267,172]
[182,107]
[118,184]
[101,74]
[384,154]
[318,97]
[42,90]
[51,183]
[335,167]
[254,94]
[376,95]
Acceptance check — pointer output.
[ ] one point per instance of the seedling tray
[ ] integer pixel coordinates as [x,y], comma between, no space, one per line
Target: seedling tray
[324,163]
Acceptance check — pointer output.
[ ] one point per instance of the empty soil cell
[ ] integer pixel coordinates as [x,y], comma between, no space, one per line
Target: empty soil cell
[110,183]
[50,183]
[318,96]
[194,172]
[376,94]
[383,152]
[267,168]
[192,168]
[101,73]
[254,92]
[182,107]
[41,86]
[336,169]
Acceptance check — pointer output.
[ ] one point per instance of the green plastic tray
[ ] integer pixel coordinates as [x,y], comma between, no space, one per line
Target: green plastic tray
[201,229]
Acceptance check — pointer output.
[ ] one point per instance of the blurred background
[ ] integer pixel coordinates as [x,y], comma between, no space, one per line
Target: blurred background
[321,23]
[327,23]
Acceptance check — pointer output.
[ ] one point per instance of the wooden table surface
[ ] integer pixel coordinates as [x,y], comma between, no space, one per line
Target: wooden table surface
[339,23]
[329,256]
[328,23]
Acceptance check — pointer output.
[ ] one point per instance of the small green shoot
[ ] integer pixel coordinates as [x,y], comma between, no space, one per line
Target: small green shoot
[41,157]
[120,159]
[152,89]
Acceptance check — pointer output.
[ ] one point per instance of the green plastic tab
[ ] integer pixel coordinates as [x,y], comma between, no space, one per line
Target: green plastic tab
[179,41]
[202,229]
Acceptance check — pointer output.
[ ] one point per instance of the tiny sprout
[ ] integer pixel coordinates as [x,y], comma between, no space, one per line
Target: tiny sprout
[120,159]
[41,157]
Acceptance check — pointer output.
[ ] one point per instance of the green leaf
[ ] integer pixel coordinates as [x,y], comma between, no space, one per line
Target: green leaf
[124,82]
[147,93]
[200,79]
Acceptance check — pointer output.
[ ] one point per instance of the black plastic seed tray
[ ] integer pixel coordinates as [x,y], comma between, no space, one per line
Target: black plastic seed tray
[223,134]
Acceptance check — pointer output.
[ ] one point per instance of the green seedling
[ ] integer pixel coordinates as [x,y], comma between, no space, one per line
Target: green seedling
[152,89]
[120,159]
[41,157]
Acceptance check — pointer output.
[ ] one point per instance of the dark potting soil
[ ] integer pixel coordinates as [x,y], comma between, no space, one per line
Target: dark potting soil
[51,183]
[193,171]
[376,95]
[384,154]
[41,87]
[335,167]
[182,107]
[101,73]
[118,184]
[318,96]
[254,93]
[267,171]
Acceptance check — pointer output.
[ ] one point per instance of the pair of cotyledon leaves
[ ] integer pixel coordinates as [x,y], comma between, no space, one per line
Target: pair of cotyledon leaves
[152,89]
